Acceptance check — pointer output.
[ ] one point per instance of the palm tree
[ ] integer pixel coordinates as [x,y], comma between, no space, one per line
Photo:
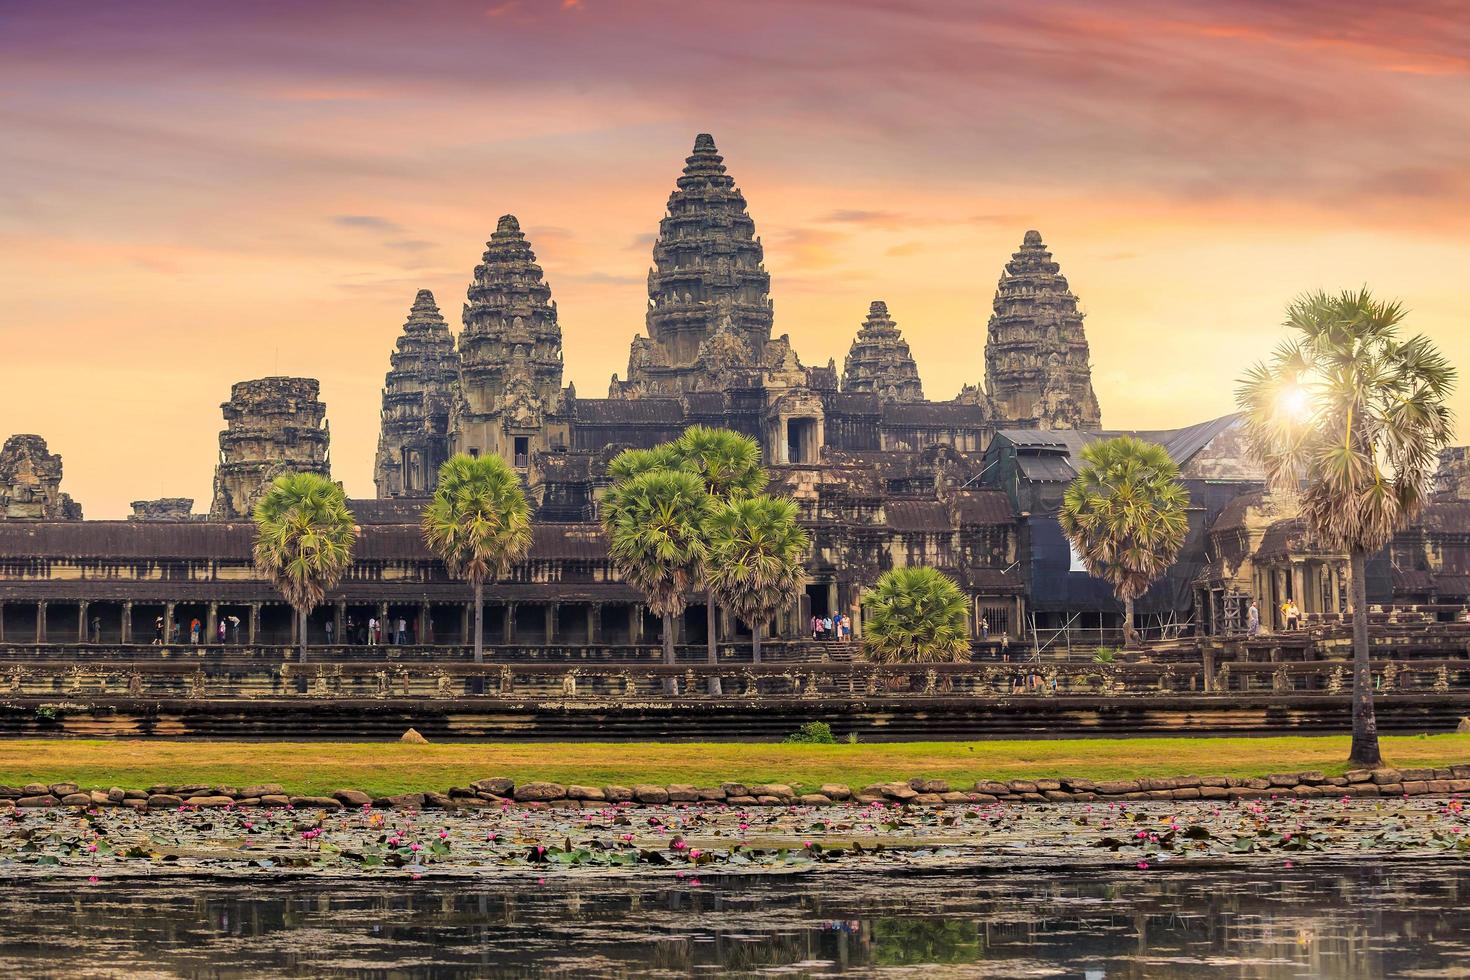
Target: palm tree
[304,536]
[654,524]
[479,524]
[730,466]
[1351,418]
[755,559]
[1125,515]
[916,615]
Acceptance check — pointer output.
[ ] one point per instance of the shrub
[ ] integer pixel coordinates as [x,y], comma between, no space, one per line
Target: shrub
[813,733]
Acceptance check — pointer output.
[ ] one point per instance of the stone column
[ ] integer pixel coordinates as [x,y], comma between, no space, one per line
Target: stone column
[1299,586]
[41,622]
[466,614]
[83,634]
[508,624]
[211,624]
[421,630]
[635,624]
[339,620]
[553,613]
[252,625]
[168,623]
[594,622]
[383,622]
[2,622]
[127,622]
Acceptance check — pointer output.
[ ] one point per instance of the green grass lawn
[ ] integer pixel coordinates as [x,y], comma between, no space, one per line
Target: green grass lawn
[393,767]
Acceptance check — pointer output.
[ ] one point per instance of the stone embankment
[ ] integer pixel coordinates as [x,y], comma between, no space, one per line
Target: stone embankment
[502,791]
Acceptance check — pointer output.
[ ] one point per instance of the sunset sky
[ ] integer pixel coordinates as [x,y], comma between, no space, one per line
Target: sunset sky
[197,193]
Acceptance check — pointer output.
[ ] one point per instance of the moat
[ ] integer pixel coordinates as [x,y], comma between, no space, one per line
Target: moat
[1367,918]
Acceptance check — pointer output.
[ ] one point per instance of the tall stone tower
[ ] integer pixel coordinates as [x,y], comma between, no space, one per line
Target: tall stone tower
[1037,369]
[417,395]
[30,483]
[709,304]
[273,426]
[510,395]
[880,362]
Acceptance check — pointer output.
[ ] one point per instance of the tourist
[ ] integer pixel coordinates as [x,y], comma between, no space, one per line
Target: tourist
[827,627]
[96,629]
[331,630]
[219,634]
[816,627]
[372,637]
[984,628]
[194,630]
[349,631]
[401,634]
[1293,615]
[158,631]
[234,622]
[1253,620]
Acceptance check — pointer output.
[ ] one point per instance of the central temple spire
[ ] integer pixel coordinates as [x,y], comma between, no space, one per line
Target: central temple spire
[707,278]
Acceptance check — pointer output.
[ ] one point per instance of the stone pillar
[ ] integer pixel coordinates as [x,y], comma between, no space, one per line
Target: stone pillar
[339,620]
[168,623]
[553,613]
[41,622]
[635,623]
[211,624]
[252,625]
[857,619]
[508,624]
[2,622]
[127,622]
[1299,586]
[466,614]
[421,629]
[83,634]
[383,622]
[594,622]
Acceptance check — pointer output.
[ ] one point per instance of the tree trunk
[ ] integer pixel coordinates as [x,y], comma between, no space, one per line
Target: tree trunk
[755,641]
[709,628]
[480,622]
[669,639]
[1365,752]
[301,632]
[1128,634]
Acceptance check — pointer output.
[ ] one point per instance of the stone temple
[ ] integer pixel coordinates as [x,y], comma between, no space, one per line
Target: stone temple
[883,475]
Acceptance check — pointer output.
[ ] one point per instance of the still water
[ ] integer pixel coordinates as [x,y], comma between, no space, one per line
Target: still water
[1363,920]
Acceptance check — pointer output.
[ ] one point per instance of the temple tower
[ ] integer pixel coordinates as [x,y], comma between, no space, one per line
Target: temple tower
[273,426]
[1037,368]
[30,483]
[510,356]
[880,362]
[707,288]
[417,393]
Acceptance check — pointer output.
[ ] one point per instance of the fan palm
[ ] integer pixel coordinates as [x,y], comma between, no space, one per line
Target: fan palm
[916,615]
[479,524]
[1351,418]
[1125,515]
[654,524]
[755,559]
[730,466]
[304,535]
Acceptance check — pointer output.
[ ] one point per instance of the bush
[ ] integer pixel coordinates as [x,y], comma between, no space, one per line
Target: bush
[813,733]
[916,615]
[1104,655]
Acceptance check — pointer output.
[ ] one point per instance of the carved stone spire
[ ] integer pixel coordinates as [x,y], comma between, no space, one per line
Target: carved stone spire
[273,426]
[30,482]
[417,393]
[510,349]
[1037,367]
[880,362]
[707,269]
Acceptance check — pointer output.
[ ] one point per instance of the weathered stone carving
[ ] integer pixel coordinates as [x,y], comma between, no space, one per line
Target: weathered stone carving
[273,426]
[880,362]
[30,483]
[1038,372]
[707,277]
[417,394]
[163,509]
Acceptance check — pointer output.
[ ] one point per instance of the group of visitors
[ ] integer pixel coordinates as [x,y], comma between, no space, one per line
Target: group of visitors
[1291,617]
[227,630]
[370,633]
[837,627]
